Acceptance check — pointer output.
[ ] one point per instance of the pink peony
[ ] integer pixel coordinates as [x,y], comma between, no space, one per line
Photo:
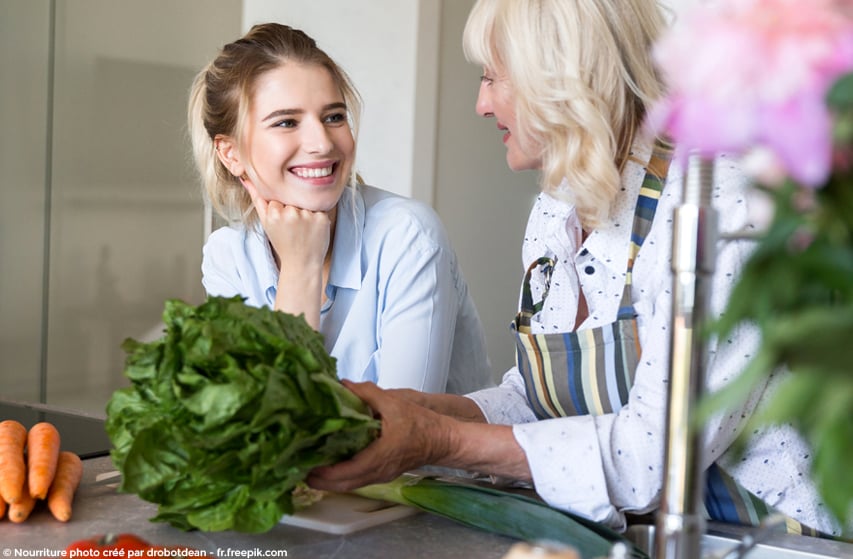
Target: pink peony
[745,74]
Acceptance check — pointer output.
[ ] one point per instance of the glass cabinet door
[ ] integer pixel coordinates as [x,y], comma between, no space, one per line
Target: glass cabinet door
[25,58]
[119,227]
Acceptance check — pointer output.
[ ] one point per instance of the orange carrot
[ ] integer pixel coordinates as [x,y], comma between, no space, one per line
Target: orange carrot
[42,455]
[2,508]
[20,511]
[13,469]
[69,471]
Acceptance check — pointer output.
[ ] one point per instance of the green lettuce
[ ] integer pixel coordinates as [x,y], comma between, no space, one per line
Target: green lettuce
[227,413]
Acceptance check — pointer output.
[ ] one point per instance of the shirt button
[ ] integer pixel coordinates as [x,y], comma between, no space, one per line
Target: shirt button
[589,270]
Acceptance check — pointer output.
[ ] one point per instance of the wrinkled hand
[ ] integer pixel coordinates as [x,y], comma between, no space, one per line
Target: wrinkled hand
[299,237]
[410,437]
[452,405]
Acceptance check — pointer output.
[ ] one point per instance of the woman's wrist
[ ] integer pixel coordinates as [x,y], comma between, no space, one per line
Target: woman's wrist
[463,446]
[300,295]
[453,405]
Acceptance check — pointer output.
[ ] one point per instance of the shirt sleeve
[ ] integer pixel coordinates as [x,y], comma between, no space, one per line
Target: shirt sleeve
[235,262]
[604,466]
[419,305]
[218,268]
[506,404]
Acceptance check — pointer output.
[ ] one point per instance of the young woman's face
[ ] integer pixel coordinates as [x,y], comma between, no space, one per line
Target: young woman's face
[298,139]
[496,99]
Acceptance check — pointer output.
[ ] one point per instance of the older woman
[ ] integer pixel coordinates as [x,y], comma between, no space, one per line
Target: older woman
[581,416]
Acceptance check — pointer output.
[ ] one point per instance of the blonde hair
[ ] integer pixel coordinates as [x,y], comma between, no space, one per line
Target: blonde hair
[583,79]
[220,98]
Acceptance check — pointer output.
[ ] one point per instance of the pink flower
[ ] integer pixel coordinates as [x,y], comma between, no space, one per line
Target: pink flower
[744,74]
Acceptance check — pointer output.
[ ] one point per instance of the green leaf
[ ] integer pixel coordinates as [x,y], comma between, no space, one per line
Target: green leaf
[227,413]
[840,95]
[152,462]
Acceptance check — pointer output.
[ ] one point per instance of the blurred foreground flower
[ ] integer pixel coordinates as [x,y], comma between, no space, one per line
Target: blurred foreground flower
[771,80]
[748,74]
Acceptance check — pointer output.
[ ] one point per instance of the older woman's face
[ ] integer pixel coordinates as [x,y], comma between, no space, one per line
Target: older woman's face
[497,100]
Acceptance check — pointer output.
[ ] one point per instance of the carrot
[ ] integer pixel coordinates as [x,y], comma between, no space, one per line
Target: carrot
[2,508]
[13,469]
[42,456]
[20,511]
[69,471]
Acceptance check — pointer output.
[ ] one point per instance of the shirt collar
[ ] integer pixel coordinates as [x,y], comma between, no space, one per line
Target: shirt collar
[260,251]
[346,269]
[609,243]
[561,231]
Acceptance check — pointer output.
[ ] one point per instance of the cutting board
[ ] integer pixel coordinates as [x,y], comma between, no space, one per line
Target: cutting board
[344,513]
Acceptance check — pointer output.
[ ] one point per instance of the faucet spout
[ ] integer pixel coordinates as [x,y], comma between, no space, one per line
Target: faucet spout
[680,523]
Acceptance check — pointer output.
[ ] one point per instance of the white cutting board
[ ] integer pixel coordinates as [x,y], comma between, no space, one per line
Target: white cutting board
[344,513]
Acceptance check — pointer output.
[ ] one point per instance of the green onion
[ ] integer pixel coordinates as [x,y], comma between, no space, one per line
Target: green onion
[501,512]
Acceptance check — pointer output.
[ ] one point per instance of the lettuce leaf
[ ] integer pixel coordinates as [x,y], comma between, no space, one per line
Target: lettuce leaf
[227,413]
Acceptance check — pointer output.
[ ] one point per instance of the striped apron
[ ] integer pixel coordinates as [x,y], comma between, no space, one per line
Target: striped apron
[591,371]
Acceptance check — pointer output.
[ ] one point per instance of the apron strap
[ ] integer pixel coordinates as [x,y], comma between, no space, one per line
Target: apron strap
[654,181]
[727,501]
[656,172]
[528,308]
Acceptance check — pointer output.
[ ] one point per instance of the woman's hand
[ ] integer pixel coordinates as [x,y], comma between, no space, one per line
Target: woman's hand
[413,436]
[300,239]
[457,407]
[410,437]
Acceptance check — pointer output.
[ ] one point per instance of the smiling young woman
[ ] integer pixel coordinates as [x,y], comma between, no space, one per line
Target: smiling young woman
[273,121]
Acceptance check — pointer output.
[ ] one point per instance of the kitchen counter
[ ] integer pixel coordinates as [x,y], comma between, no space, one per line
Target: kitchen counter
[99,508]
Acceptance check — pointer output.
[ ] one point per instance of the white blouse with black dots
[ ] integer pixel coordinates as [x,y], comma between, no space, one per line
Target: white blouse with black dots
[604,466]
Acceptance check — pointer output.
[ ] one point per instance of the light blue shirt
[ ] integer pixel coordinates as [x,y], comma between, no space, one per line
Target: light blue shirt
[398,310]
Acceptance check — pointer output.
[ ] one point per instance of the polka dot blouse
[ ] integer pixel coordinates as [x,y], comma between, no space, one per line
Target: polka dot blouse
[605,466]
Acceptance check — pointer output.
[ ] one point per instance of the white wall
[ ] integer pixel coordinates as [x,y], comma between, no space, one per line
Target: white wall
[483,204]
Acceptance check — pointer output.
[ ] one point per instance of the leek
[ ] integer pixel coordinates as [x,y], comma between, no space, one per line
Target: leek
[500,512]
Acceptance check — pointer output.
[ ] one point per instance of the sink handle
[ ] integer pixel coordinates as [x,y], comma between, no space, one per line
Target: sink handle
[755,537]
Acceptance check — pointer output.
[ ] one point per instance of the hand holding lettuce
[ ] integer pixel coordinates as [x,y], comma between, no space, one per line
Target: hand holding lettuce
[232,408]
[227,414]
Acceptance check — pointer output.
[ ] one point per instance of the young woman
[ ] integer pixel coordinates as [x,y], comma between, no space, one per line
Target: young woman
[582,415]
[273,121]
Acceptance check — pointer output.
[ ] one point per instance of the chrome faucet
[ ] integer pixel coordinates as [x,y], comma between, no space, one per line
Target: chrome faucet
[680,523]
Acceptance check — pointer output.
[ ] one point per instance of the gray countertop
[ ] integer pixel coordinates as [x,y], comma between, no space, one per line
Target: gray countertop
[99,509]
